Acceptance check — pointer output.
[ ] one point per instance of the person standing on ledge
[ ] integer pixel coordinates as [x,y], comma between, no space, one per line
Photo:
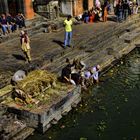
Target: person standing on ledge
[68,31]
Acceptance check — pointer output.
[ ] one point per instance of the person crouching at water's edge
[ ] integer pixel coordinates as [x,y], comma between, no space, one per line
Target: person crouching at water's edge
[68,31]
[95,73]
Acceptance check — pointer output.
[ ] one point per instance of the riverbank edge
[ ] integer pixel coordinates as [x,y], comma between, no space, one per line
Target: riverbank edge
[108,61]
[43,121]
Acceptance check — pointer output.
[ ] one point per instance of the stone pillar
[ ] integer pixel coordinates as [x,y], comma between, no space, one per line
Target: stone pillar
[28,9]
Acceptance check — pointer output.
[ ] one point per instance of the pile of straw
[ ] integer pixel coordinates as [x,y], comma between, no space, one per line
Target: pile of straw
[36,82]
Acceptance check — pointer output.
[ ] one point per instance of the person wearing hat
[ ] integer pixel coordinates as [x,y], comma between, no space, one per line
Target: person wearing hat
[95,73]
[25,45]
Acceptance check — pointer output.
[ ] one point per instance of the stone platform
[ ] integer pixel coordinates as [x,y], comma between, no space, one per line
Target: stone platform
[41,117]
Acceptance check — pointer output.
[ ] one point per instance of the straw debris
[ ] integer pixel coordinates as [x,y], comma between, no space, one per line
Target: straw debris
[34,84]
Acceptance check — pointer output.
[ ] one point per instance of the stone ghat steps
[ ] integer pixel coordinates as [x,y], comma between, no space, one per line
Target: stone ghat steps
[108,45]
[32,25]
[103,49]
[83,47]
[22,135]
[38,25]
[115,50]
[54,52]
[79,53]
[113,47]
[13,36]
[115,30]
[130,37]
[72,53]
[109,40]
[10,126]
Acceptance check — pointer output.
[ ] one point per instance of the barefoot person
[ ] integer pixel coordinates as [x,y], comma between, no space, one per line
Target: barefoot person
[25,45]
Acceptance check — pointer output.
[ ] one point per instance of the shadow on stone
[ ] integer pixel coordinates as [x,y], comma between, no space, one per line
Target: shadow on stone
[112,18]
[60,43]
[110,51]
[18,57]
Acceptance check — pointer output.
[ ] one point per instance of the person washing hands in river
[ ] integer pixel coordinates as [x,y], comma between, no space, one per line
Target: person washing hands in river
[66,75]
[95,73]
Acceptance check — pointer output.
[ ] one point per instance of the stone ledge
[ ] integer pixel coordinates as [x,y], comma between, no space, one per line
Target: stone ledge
[42,117]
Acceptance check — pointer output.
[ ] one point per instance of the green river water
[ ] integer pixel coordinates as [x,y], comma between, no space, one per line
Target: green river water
[110,111]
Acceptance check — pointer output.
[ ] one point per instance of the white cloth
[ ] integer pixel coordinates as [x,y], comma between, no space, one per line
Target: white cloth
[72,82]
[19,75]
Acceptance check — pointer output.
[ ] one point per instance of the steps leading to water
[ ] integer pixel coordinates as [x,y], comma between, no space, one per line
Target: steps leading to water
[34,26]
[110,38]
[103,48]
